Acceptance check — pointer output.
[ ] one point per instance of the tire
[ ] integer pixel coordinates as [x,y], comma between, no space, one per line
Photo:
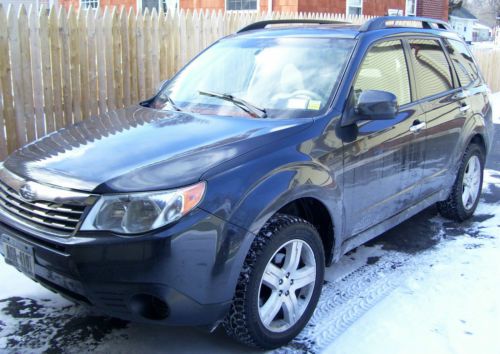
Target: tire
[248,321]
[455,207]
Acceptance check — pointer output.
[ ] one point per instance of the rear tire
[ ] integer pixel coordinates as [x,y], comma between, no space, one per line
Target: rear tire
[279,285]
[464,196]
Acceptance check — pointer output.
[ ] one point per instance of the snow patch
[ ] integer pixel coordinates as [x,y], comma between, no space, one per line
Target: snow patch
[495,102]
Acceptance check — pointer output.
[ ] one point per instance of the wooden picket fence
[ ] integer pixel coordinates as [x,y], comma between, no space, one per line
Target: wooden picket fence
[59,67]
[488,60]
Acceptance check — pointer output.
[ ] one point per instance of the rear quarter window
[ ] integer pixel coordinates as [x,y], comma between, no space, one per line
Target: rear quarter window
[463,62]
[432,71]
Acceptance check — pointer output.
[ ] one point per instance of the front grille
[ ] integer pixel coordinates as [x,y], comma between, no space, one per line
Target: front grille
[62,218]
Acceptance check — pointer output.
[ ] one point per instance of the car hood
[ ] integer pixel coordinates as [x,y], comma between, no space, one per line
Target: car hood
[140,149]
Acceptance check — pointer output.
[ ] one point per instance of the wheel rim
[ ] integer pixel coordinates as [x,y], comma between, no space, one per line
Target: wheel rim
[471,182]
[287,286]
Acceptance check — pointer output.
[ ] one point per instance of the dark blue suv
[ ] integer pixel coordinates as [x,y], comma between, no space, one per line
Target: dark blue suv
[269,156]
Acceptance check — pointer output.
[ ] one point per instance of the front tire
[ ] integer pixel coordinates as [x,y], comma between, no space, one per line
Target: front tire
[464,196]
[279,285]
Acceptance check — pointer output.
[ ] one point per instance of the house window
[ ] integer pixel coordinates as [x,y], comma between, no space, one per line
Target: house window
[241,5]
[165,5]
[89,4]
[354,7]
[411,7]
[150,4]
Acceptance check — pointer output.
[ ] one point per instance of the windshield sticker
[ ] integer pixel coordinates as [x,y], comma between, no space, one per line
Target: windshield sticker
[297,103]
[314,105]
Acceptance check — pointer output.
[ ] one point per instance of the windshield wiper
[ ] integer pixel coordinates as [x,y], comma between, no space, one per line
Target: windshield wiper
[164,97]
[241,103]
[172,103]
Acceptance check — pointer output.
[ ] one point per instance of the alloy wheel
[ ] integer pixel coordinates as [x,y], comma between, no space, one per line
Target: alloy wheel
[286,286]
[471,182]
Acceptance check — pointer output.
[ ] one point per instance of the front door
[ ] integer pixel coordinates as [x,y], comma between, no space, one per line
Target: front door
[383,165]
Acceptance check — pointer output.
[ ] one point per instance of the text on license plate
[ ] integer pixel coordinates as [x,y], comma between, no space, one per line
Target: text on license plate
[19,254]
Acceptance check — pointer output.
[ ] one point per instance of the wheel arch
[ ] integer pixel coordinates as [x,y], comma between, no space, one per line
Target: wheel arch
[315,212]
[479,140]
[319,203]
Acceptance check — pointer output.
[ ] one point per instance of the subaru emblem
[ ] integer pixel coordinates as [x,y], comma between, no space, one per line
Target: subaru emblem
[27,192]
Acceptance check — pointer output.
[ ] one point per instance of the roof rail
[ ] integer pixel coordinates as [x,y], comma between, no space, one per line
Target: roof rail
[381,22]
[263,24]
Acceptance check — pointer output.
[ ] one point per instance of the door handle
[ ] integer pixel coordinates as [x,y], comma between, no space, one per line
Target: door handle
[464,108]
[417,126]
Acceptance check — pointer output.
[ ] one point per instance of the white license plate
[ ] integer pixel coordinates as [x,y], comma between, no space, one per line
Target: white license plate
[19,255]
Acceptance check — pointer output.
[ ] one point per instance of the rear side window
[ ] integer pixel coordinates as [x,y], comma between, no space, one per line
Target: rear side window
[384,68]
[463,62]
[432,71]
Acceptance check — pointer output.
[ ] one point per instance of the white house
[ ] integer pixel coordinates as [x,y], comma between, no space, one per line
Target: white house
[463,22]
[481,33]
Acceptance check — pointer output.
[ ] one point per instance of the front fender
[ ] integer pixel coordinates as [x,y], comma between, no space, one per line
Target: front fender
[292,182]
[247,193]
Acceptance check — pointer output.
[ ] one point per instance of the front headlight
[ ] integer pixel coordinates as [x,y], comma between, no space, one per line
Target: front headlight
[140,212]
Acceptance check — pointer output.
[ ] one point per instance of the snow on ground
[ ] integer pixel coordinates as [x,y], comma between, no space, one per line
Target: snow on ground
[447,300]
[427,286]
[495,99]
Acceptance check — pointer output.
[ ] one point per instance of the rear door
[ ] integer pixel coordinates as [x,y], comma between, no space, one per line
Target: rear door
[474,91]
[383,165]
[445,111]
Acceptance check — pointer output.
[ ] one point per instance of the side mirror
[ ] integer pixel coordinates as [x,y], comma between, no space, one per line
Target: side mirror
[376,105]
[161,85]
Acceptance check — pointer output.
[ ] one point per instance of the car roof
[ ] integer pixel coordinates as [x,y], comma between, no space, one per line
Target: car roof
[374,28]
[337,31]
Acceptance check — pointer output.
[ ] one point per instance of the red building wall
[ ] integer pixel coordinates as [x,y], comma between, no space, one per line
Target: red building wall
[335,6]
[67,3]
[102,3]
[433,8]
[278,5]
[283,5]
[427,8]
[202,4]
[381,8]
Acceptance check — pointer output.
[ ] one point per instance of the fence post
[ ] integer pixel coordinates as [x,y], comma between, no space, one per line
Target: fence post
[82,37]
[132,31]
[48,93]
[56,69]
[17,86]
[8,113]
[75,62]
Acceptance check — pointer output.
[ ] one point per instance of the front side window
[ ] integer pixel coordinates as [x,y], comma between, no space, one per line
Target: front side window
[463,62]
[384,68]
[239,5]
[287,77]
[89,4]
[411,7]
[354,7]
[432,71]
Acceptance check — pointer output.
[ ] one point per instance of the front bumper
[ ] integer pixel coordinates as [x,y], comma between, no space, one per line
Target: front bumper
[182,275]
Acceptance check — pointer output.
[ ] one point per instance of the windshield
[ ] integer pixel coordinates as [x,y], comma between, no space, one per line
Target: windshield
[284,77]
